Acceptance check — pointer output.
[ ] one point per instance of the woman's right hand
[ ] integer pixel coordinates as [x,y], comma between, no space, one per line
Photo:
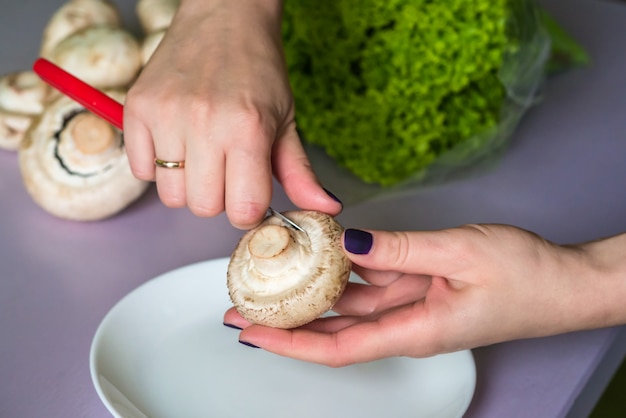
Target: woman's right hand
[216,95]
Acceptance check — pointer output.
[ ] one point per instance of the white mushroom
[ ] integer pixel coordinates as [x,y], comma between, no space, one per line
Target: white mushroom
[23,92]
[74,164]
[150,43]
[105,57]
[74,16]
[13,126]
[22,97]
[283,278]
[156,15]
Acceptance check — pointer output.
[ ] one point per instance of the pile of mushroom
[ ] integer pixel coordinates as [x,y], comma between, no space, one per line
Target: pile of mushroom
[73,164]
[284,278]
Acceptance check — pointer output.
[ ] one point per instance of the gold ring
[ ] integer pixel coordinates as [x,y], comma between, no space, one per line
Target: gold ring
[169,164]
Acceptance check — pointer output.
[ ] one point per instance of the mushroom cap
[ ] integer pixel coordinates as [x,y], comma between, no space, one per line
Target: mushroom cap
[22,98]
[150,43]
[104,56]
[22,92]
[156,15]
[74,16]
[74,165]
[284,278]
[13,126]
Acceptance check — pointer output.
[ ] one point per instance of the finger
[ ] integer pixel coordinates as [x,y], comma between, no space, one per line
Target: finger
[331,324]
[248,179]
[139,147]
[293,171]
[361,342]
[376,277]
[234,319]
[170,181]
[436,253]
[361,300]
[204,173]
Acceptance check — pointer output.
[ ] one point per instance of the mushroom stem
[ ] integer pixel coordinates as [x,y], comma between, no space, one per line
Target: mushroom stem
[91,134]
[272,249]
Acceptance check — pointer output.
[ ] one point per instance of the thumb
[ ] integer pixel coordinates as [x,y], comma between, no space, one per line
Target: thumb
[294,172]
[435,253]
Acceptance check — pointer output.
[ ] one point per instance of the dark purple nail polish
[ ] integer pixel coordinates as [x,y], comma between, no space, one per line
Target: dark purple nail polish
[247,344]
[335,198]
[357,241]
[232,326]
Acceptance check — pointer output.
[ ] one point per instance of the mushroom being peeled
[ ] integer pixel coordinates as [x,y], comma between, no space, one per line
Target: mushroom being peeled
[74,16]
[105,57]
[74,165]
[22,98]
[283,278]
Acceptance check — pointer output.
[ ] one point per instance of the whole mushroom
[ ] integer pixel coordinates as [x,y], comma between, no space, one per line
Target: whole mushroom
[105,57]
[284,278]
[150,43]
[12,129]
[74,16]
[74,165]
[22,98]
[156,15]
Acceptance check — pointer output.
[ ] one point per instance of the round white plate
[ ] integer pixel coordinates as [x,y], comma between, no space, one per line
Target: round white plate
[163,351]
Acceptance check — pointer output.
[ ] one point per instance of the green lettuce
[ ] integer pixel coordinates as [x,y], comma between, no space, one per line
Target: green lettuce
[387,87]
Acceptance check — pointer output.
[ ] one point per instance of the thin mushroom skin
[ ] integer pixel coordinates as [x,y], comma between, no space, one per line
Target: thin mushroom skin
[284,278]
[74,164]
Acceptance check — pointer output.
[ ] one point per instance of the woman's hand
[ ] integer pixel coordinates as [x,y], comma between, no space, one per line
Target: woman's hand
[216,95]
[442,291]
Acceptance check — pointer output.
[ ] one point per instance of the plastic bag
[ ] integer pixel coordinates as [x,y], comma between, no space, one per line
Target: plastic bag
[521,74]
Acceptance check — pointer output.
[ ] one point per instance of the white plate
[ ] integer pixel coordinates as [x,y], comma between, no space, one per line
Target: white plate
[163,351]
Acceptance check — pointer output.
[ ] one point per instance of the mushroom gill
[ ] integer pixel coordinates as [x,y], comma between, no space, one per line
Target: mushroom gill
[284,278]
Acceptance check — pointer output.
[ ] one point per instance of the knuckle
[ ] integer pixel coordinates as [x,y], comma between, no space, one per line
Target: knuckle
[172,198]
[173,202]
[136,101]
[466,244]
[204,209]
[247,214]
[249,122]
[399,250]
[143,173]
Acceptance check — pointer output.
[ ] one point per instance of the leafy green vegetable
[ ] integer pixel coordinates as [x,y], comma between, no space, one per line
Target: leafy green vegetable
[387,86]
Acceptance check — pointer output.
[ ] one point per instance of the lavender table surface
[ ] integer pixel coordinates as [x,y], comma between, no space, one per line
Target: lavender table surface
[562,177]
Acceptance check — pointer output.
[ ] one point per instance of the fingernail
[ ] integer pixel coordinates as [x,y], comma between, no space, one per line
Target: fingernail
[247,344]
[232,326]
[335,198]
[357,241]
